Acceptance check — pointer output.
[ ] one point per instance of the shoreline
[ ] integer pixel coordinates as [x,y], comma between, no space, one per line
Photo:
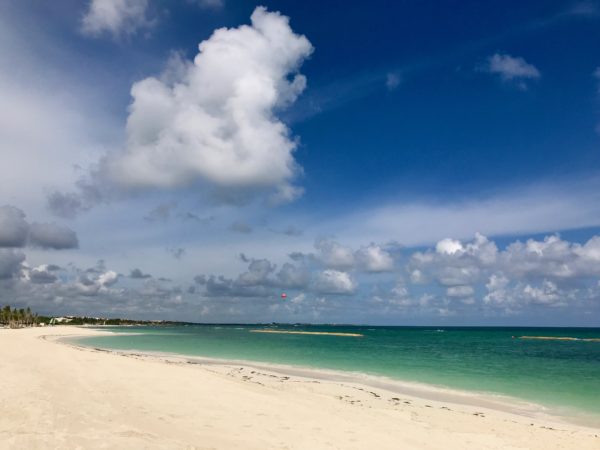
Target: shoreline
[69,396]
[424,391]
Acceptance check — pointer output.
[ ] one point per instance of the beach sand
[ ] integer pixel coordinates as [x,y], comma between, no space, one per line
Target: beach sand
[54,395]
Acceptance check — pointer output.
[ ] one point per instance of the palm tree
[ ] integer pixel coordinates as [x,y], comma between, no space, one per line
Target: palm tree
[16,318]
[4,313]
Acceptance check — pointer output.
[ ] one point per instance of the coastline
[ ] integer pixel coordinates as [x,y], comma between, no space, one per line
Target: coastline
[421,391]
[525,405]
[267,406]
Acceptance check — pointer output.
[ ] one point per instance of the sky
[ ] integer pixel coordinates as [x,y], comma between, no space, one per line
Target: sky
[390,163]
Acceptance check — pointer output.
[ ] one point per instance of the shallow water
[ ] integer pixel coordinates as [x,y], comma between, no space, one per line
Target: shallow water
[561,374]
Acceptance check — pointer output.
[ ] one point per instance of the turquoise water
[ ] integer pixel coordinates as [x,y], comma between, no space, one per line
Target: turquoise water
[563,374]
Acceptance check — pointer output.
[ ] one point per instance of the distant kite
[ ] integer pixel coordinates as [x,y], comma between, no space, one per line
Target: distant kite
[283,296]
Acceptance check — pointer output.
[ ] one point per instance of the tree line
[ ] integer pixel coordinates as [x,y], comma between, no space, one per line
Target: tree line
[17,318]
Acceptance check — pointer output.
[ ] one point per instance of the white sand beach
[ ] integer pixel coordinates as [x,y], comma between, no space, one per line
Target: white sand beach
[54,395]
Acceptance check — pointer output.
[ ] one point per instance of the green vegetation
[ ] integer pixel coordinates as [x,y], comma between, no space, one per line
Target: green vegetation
[18,318]
[72,320]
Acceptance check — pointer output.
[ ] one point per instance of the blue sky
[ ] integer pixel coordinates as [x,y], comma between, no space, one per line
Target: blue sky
[397,162]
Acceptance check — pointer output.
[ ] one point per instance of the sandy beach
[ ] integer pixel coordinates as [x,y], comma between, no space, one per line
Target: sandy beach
[55,395]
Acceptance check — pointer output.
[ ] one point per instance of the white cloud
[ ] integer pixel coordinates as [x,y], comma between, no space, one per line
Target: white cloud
[117,17]
[546,294]
[334,255]
[417,277]
[291,276]
[460,291]
[512,297]
[41,274]
[373,258]
[257,274]
[107,278]
[548,272]
[497,290]
[512,69]
[214,121]
[448,246]
[551,257]
[454,263]
[334,282]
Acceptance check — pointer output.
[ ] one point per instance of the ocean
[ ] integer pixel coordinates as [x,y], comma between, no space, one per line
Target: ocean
[562,375]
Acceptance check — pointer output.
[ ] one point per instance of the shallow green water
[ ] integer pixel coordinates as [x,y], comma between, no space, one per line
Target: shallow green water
[554,373]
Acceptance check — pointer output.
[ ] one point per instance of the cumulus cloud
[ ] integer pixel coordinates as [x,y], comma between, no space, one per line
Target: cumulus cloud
[373,258]
[511,297]
[292,276]
[261,279]
[42,274]
[547,272]
[15,231]
[460,291]
[334,255]
[330,254]
[453,263]
[115,17]
[552,257]
[448,246]
[512,69]
[546,294]
[464,279]
[334,282]
[92,282]
[257,274]
[214,121]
